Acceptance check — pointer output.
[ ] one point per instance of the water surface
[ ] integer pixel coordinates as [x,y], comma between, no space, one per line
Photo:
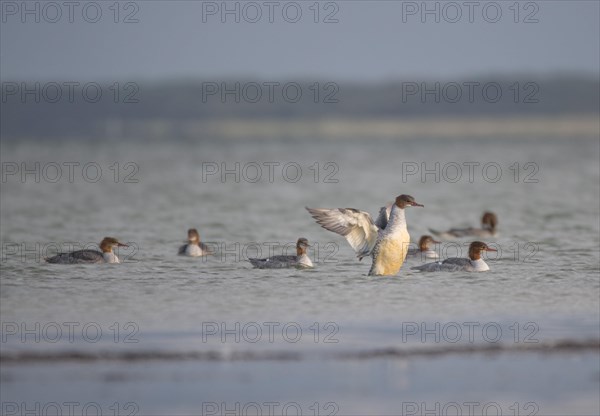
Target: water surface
[543,288]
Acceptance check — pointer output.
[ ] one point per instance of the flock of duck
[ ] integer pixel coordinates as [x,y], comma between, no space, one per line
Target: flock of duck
[385,240]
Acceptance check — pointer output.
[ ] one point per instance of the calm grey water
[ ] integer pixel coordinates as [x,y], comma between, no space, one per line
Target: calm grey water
[543,286]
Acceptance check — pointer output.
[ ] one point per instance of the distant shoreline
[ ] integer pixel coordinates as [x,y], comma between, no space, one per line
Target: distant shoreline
[547,106]
[565,126]
[450,127]
[338,128]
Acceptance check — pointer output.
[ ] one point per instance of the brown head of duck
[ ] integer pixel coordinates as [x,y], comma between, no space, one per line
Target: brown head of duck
[475,249]
[107,244]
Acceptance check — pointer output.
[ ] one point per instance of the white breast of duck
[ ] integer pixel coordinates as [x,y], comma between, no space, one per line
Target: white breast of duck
[193,250]
[304,261]
[110,257]
[477,266]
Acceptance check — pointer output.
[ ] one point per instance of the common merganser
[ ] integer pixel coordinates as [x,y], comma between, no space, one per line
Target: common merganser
[489,221]
[473,264]
[386,240]
[90,256]
[424,250]
[194,248]
[300,260]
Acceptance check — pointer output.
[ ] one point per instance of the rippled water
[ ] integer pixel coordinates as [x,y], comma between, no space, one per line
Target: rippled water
[544,283]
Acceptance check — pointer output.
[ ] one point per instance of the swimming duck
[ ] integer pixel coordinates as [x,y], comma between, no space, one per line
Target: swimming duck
[489,221]
[472,264]
[424,249]
[300,260]
[194,248]
[106,254]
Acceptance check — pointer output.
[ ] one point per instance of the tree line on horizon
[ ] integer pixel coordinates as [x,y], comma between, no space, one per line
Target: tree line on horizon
[73,109]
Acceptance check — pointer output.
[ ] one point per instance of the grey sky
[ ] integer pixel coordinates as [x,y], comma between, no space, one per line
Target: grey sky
[370,42]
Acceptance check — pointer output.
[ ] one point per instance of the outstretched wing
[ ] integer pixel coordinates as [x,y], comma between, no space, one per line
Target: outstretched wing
[356,226]
[384,216]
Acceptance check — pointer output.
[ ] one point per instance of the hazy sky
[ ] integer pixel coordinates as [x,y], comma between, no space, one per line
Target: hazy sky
[372,40]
